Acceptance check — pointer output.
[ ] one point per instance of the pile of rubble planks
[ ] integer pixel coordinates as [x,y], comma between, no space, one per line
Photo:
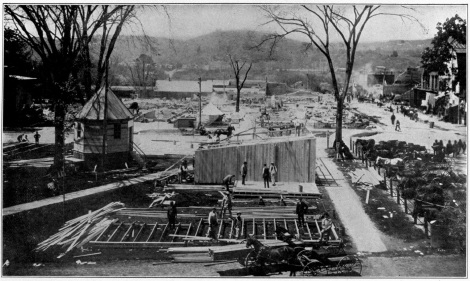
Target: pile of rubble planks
[216,253]
[77,232]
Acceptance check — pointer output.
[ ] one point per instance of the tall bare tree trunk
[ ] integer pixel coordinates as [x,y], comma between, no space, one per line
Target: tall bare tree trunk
[339,119]
[237,107]
[59,117]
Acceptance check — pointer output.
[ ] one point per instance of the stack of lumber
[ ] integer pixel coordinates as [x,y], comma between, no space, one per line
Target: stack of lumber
[243,193]
[77,232]
[174,187]
[216,253]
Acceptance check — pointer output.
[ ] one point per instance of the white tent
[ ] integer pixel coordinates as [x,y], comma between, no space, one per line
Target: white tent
[210,113]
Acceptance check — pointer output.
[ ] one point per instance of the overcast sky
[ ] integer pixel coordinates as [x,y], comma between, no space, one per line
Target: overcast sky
[194,20]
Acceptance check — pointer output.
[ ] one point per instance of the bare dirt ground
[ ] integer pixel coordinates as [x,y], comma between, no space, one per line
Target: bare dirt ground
[373,267]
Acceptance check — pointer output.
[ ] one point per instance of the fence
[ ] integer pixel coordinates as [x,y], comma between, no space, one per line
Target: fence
[294,158]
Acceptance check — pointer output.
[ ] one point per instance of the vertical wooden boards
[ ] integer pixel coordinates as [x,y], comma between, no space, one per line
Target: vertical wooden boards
[295,160]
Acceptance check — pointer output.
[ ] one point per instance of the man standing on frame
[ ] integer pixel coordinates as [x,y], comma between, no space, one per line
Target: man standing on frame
[266,176]
[300,209]
[273,171]
[244,171]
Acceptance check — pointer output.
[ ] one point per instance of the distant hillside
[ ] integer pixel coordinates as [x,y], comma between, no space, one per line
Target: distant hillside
[210,51]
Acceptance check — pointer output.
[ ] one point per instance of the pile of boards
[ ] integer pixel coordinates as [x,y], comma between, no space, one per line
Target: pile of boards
[77,232]
[216,253]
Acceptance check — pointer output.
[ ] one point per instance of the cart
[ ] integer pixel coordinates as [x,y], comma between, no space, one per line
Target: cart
[328,261]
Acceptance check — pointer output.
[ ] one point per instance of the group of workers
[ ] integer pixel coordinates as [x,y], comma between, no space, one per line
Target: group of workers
[268,174]
[455,149]
[24,137]
[213,218]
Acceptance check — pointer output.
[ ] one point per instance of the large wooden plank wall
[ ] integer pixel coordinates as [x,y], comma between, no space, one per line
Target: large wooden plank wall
[295,160]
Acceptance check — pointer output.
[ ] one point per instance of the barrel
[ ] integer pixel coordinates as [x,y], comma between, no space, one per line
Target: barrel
[431,125]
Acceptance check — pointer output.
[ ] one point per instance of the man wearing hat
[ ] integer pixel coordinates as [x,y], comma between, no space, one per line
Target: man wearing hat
[238,225]
[326,225]
[300,209]
[183,170]
[244,171]
[227,203]
[273,171]
[212,220]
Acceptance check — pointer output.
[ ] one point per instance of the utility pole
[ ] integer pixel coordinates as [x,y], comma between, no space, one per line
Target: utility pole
[105,118]
[200,103]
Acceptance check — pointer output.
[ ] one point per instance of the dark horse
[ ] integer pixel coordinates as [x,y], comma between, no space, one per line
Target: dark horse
[268,254]
[227,132]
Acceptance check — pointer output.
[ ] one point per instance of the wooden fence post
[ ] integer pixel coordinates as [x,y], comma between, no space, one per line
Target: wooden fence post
[398,196]
[391,187]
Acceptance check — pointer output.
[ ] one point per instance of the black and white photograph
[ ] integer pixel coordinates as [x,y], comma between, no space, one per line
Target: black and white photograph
[234,140]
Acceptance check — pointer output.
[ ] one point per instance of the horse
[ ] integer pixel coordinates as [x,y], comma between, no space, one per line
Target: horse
[366,144]
[274,255]
[227,132]
[387,161]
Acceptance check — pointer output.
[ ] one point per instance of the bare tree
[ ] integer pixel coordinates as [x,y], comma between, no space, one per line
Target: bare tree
[237,70]
[143,72]
[60,35]
[321,24]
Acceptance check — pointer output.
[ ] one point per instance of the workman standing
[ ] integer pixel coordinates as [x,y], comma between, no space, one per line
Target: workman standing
[244,171]
[37,136]
[301,209]
[227,203]
[238,225]
[393,118]
[266,176]
[183,170]
[212,220]
[326,225]
[171,214]
[272,172]
[227,181]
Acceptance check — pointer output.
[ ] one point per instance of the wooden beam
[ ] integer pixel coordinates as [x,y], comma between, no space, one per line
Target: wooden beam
[318,227]
[127,231]
[198,226]
[114,233]
[189,229]
[309,233]
[275,229]
[254,227]
[243,228]
[231,230]
[297,229]
[102,233]
[140,231]
[163,232]
[220,228]
[176,231]
[264,229]
[152,232]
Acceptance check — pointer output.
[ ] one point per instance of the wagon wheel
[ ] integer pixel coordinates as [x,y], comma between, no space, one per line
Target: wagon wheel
[302,257]
[315,269]
[350,264]
[250,260]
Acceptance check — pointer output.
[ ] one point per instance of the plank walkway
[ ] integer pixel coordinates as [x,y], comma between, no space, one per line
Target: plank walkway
[349,208]
[82,193]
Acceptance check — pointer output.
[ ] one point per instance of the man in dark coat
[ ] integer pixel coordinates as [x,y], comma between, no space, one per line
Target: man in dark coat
[449,148]
[301,209]
[244,171]
[266,176]
[171,214]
